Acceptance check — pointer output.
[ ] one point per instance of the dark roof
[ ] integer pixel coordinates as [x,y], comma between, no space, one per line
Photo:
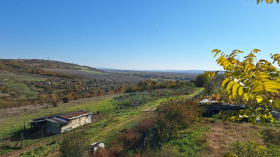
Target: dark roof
[46,117]
[73,115]
[59,121]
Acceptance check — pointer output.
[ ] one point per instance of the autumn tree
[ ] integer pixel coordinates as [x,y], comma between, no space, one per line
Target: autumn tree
[42,98]
[256,82]
[175,114]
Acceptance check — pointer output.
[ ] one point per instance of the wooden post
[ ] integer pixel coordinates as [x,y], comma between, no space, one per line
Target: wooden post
[21,138]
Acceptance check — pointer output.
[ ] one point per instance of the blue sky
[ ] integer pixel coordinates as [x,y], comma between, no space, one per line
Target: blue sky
[137,34]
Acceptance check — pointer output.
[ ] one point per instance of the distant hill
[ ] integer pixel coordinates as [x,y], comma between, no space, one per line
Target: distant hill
[24,82]
[160,71]
[57,68]
[27,65]
[31,81]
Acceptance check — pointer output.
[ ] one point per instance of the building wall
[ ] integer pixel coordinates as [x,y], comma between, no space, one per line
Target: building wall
[76,123]
[53,128]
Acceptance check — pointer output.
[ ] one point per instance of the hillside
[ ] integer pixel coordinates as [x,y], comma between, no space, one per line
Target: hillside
[32,81]
[64,68]
[24,82]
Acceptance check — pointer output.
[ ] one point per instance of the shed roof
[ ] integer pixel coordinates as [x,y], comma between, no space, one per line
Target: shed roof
[73,115]
[206,101]
[56,120]
[46,117]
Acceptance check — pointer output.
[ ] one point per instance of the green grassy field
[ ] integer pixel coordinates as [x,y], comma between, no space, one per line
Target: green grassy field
[101,104]
[87,70]
[109,122]
[17,83]
[8,76]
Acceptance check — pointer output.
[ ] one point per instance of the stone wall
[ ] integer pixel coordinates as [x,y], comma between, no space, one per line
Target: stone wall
[76,123]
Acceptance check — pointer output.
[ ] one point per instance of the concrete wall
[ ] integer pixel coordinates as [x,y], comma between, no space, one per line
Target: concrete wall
[76,123]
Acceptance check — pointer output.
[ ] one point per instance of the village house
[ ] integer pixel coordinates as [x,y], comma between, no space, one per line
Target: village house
[59,123]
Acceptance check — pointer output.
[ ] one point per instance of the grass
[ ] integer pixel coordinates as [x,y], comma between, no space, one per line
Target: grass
[191,142]
[22,90]
[110,121]
[17,82]
[41,150]
[102,104]
[128,116]
[87,70]
[8,76]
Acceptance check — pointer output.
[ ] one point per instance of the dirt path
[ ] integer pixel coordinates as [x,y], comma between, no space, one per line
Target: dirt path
[130,119]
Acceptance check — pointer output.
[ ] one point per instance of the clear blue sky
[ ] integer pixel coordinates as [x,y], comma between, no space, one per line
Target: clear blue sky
[137,34]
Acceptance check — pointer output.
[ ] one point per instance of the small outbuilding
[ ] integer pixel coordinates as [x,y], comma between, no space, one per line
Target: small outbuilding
[214,107]
[59,123]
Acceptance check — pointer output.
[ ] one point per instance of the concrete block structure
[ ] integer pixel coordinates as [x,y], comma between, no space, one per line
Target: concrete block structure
[59,123]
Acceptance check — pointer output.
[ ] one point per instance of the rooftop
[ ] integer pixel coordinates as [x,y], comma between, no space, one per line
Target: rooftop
[73,115]
[207,101]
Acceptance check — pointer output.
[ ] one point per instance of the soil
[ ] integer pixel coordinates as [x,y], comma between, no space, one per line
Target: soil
[224,134]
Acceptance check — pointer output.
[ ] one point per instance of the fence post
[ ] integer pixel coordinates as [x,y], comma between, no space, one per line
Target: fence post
[21,138]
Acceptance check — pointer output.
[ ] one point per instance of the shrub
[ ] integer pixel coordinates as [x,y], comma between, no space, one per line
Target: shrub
[271,136]
[74,145]
[176,114]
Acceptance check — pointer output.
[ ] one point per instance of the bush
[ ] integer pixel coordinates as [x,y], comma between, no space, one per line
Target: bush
[74,145]
[271,136]
[176,114]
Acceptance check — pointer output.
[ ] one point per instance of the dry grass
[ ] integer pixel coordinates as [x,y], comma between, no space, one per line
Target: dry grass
[223,134]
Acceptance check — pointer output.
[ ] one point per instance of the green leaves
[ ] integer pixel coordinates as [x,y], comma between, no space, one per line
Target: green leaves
[240,90]
[234,89]
[250,80]
[253,81]
[276,104]
[230,84]
[251,114]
